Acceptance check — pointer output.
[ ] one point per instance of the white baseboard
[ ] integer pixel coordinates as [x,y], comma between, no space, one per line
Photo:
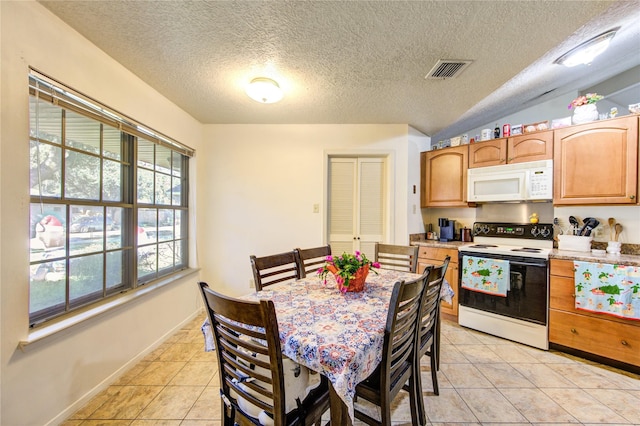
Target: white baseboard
[112,378]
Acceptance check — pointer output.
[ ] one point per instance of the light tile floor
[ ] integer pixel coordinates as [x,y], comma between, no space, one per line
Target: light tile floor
[483,380]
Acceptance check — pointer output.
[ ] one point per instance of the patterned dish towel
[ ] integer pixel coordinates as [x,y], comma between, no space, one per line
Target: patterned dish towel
[484,275]
[607,289]
[446,292]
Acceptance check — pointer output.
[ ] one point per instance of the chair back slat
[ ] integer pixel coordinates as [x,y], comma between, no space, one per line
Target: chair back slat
[311,259]
[273,269]
[401,334]
[396,257]
[431,305]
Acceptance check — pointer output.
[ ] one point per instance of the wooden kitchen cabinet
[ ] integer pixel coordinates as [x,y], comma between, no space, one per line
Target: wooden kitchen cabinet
[607,336]
[435,256]
[443,177]
[514,149]
[597,163]
[488,153]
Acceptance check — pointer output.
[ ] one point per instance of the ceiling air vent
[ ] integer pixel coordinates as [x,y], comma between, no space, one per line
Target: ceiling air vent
[444,69]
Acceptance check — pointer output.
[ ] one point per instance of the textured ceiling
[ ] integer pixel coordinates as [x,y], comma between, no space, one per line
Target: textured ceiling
[355,61]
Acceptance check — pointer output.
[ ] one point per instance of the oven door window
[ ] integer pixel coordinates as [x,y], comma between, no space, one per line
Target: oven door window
[527,297]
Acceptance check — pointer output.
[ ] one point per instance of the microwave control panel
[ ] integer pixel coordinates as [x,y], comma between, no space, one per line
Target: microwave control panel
[541,183]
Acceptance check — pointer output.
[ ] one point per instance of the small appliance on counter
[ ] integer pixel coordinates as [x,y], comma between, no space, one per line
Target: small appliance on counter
[447,229]
[465,235]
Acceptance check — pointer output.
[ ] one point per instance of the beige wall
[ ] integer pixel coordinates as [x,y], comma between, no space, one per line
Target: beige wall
[257,193]
[42,384]
[253,188]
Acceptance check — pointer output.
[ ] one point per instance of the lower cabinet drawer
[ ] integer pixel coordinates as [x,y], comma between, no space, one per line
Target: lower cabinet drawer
[563,268]
[602,337]
[438,253]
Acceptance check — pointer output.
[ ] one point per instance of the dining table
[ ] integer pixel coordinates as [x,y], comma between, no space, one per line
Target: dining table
[337,334]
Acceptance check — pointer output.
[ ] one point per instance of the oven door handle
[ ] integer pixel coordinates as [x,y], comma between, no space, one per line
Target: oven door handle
[539,265]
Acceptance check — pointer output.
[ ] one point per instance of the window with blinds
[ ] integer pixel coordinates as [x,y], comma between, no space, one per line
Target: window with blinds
[109,201]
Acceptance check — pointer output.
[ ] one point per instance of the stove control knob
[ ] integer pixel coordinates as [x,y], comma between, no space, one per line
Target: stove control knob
[535,231]
[485,229]
[545,232]
[477,229]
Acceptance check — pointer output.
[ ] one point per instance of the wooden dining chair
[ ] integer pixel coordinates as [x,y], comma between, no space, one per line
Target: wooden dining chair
[311,259]
[253,380]
[398,355]
[273,269]
[399,258]
[429,332]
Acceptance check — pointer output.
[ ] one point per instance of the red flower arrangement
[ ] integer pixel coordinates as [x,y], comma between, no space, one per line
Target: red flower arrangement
[589,98]
[346,268]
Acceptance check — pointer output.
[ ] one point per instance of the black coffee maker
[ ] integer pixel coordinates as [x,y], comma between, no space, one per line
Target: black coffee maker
[447,229]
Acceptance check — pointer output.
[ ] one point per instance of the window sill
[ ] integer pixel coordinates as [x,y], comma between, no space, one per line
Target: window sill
[46,331]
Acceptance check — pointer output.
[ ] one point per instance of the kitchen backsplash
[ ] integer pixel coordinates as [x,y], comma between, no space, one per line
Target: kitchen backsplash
[627,216]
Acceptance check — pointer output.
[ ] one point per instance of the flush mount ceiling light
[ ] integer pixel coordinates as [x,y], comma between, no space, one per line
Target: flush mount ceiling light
[264,90]
[587,51]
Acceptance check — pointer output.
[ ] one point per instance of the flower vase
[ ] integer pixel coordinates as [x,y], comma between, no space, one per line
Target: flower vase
[355,284]
[585,114]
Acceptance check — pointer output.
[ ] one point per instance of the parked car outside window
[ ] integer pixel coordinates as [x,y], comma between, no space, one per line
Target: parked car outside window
[91,224]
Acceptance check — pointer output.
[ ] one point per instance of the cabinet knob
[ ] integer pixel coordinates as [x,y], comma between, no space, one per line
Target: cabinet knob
[574,331]
[624,343]
[633,197]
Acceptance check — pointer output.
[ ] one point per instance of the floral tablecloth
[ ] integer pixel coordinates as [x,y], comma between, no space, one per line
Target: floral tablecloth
[338,335]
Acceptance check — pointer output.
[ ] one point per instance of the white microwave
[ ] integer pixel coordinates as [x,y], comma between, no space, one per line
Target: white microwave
[511,182]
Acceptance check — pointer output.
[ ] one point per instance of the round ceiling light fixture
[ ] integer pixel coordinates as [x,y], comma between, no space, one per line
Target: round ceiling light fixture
[587,51]
[264,90]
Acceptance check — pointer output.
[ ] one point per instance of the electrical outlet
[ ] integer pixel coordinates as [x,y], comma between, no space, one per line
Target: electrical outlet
[598,232]
[316,208]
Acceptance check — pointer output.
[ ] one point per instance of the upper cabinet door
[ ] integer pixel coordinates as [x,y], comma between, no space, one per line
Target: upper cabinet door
[444,177]
[488,153]
[530,147]
[597,163]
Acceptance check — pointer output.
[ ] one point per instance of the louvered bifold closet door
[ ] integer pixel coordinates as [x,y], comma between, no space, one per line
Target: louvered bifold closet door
[357,211]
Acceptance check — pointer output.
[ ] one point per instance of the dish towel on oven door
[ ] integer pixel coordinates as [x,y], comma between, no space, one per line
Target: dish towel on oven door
[491,276]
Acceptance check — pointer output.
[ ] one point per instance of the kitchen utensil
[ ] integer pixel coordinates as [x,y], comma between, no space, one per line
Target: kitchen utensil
[557,228]
[589,226]
[618,231]
[612,224]
[583,228]
[574,224]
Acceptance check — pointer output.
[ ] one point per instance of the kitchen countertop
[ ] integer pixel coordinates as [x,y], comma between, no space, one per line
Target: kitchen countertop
[625,259]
